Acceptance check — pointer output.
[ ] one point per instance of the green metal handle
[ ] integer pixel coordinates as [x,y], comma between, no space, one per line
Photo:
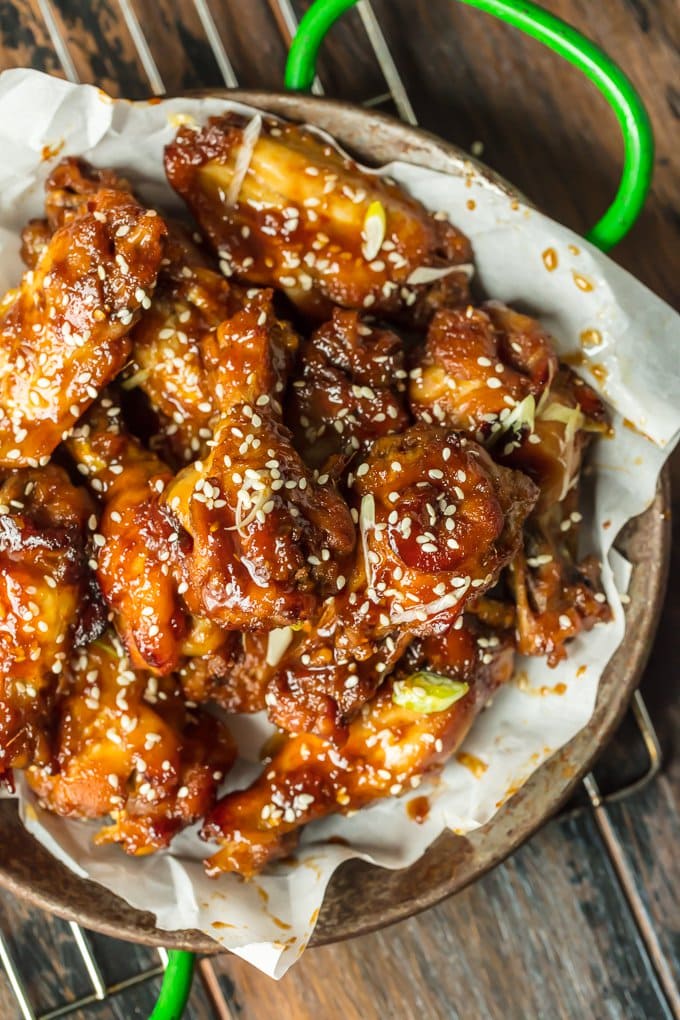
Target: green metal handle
[176,986]
[617,89]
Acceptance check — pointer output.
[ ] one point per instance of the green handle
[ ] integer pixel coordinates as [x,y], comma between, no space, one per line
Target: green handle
[617,89]
[175,988]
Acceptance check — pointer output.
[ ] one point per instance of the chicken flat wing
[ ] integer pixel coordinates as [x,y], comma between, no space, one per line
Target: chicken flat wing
[264,540]
[46,603]
[127,746]
[438,520]
[349,389]
[417,720]
[64,331]
[190,301]
[137,544]
[482,371]
[284,208]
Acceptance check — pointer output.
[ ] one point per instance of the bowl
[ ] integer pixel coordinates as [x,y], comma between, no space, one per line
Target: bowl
[362,897]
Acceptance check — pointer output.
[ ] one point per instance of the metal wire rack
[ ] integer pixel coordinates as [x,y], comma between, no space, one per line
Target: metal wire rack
[284,20]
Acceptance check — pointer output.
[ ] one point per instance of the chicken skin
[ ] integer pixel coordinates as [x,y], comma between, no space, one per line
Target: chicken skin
[255,518]
[391,745]
[47,603]
[64,332]
[283,208]
[349,389]
[128,747]
[480,370]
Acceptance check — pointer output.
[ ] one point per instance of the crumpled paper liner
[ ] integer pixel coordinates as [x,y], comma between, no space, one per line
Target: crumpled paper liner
[269,921]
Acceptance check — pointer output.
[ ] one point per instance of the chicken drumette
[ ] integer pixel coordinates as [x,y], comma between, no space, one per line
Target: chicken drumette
[438,521]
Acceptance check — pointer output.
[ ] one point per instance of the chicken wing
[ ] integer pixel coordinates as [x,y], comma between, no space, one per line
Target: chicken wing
[190,301]
[438,521]
[46,603]
[126,746]
[283,207]
[265,541]
[137,544]
[349,389]
[482,370]
[557,596]
[417,720]
[64,333]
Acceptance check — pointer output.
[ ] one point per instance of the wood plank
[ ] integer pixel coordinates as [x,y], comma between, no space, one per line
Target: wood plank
[24,39]
[101,47]
[254,45]
[178,43]
[52,970]
[548,934]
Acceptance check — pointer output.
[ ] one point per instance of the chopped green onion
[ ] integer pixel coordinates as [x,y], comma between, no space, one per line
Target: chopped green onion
[426,692]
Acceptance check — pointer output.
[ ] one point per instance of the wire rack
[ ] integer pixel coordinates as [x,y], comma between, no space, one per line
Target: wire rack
[285,21]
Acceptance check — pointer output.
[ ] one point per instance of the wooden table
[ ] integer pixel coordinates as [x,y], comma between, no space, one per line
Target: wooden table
[584,921]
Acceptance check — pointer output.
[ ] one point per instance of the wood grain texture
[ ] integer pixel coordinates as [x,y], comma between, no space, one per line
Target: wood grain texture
[101,46]
[543,126]
[52,970]
[178,43]
[24,39]
[549,933]
[546,935]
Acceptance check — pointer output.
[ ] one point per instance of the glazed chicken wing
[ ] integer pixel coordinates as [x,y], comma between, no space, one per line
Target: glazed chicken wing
[64,332]
[190,301]
[438,521]
[350,388]
[284,208]
[481,371]
[126,746]
[46,603]
[73,184]
[264,540]
[417,720]
[137,544]
[556,594]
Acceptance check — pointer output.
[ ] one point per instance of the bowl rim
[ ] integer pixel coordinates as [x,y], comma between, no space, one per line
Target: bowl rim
[574,760]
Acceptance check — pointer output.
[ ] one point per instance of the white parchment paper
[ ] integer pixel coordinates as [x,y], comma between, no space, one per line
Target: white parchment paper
[268,922]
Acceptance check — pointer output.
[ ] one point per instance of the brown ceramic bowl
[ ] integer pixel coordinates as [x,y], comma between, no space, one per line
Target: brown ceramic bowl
[362,897]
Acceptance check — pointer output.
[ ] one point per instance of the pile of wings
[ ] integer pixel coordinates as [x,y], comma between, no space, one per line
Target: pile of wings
[286,463]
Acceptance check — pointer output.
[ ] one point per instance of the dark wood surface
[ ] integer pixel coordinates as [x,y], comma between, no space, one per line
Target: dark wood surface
[584,921]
